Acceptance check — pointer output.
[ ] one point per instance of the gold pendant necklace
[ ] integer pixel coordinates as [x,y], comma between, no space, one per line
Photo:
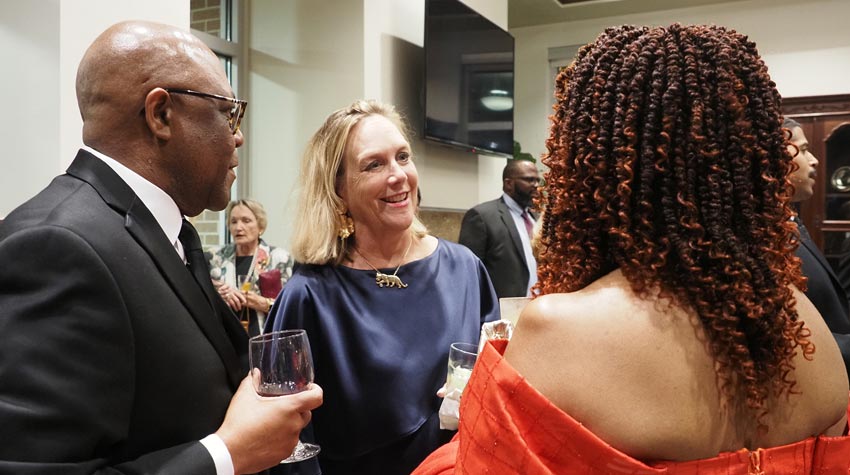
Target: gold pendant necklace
[387,280]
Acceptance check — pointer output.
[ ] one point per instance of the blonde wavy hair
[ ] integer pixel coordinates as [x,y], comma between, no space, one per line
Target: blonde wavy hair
[318,220]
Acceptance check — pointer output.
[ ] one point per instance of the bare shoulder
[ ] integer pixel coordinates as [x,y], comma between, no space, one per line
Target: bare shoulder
[821,405]
[595,319]
[604,352]
[621,364]
[603,335]
[824,367]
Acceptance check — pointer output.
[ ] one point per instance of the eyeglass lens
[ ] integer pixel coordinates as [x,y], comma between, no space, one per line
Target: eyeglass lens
[236,112]
[236,115]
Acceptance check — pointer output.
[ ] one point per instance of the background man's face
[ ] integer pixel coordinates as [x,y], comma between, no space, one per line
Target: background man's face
[803,178]
[522,185]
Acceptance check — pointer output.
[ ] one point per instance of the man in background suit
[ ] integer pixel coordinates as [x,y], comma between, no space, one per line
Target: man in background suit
[499,231]
[823,287]
[116,357]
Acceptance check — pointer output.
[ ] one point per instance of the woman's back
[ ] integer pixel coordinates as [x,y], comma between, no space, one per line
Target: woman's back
[667,162]
[639,375]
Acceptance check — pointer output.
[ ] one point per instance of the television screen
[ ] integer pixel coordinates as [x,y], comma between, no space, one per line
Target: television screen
[469,79]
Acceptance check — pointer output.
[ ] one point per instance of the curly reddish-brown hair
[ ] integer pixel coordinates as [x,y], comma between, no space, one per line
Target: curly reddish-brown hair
[667,160]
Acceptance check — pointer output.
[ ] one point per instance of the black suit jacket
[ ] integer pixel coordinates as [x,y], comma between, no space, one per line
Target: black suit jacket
[826,293]
[489,230]
[113,359]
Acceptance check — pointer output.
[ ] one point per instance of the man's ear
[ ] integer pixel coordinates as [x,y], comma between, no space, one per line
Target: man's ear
[158,113]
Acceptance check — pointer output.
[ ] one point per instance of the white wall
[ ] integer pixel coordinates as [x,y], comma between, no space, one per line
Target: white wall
[805,44]
[311,57]
[306,60]
[80,22]
[45,40]
[29,51]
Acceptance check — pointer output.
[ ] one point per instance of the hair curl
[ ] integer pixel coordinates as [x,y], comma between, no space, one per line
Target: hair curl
[667,160]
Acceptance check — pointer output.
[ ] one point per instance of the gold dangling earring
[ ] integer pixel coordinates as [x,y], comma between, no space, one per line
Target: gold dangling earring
[347,227]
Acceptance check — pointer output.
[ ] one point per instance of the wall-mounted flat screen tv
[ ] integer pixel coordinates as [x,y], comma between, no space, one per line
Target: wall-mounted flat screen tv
[469,79]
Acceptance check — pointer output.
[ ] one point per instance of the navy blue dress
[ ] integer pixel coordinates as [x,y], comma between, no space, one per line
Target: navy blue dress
[380,354]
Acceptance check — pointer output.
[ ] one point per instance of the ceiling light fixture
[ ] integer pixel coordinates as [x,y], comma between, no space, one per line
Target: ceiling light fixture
[498,100]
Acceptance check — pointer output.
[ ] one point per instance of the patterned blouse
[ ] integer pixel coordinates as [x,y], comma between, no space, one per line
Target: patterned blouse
[222,262]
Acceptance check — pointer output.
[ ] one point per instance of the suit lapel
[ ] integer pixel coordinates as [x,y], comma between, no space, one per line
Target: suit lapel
[140,224]
[813,250]
[508,220]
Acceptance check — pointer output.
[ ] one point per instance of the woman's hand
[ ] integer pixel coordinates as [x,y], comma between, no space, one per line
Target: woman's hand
[237,300]
[258,302]
[234,298]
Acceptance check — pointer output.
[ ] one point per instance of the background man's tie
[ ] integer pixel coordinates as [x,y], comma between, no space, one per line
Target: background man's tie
[529,226]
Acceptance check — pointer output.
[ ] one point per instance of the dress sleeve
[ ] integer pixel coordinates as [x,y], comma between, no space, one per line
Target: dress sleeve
[441,461]
[489,300]
[295,308]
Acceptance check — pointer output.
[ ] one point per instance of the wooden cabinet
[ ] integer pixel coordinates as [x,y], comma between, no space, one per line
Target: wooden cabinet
[826,123]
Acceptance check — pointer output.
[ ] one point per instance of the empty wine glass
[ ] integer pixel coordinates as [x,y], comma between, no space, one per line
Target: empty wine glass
[281,363]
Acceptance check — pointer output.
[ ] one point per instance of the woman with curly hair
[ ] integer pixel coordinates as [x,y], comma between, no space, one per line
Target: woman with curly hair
[670,332]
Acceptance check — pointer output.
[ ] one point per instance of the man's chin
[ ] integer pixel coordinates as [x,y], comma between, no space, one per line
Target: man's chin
[219,202]
[217,207]
[799,197]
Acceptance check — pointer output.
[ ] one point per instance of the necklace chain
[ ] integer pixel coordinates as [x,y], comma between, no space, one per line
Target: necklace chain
[382,279]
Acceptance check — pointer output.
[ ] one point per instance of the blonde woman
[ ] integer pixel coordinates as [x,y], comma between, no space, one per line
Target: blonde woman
[381,300]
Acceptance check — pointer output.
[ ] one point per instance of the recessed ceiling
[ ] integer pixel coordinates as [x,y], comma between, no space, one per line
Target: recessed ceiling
[543,12]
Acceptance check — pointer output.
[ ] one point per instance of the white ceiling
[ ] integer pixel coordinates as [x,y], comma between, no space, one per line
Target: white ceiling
[540,12]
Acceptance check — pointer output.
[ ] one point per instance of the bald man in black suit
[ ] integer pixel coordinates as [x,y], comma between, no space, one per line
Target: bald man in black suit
[116,357]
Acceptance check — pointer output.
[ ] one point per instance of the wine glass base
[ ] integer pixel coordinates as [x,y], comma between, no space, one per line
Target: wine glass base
[302,452]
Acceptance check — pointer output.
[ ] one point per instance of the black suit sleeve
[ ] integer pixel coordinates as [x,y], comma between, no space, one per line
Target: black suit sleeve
[843,340]
[473,233]
[67,364]
[844,345]
[843,273]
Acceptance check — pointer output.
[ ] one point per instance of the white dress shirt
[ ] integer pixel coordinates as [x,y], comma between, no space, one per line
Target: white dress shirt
[516,213]
[167,214]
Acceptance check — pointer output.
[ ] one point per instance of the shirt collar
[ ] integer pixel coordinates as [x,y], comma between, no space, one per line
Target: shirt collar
[158,202]
[512,204]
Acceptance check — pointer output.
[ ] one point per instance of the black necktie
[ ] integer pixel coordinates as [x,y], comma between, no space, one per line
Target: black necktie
[195,259]
[233,330]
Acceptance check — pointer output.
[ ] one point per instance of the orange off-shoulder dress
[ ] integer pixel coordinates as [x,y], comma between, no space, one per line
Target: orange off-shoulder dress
[508,428]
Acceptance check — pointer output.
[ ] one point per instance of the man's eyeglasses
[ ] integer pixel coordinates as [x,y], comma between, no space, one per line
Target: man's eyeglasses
[236,112]
[531,180]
